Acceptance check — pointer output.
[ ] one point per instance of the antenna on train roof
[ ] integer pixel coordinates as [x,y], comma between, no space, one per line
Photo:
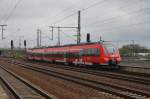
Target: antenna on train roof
[100,40]
[103,41]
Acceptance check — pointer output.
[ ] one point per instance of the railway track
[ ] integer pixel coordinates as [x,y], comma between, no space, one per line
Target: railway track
[109,88]
[8,89]
[19,88]
[126,77]
[114,75]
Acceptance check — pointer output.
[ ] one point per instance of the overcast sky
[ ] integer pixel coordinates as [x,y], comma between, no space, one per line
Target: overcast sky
[119,21]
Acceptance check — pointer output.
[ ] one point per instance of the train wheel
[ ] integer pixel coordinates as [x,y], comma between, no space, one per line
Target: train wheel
[113,65]
[53,61]
[96,65]
[70,64]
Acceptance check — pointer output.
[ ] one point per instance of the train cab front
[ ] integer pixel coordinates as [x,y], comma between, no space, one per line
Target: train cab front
[112,55]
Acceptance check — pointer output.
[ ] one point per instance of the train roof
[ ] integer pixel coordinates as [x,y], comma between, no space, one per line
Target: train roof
[100,42]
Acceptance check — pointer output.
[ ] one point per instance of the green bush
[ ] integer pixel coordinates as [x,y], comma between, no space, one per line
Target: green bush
[147,56]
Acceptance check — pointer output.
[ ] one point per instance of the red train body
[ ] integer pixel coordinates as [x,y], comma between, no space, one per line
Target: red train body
[89,53]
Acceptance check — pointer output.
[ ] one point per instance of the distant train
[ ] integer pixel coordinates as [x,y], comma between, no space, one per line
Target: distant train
[99,53]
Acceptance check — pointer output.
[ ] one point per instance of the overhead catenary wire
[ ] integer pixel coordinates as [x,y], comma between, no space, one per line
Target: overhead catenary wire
[72,14]
[5,14]
[12,11]
[59,14]
[10,14]
[106,21]
[68,36]
[66,17]
[120,27]
[115,17]
[84,9]
[63,34]
[93,5]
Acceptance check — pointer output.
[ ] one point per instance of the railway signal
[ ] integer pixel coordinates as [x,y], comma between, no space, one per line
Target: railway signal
[88,37]
[25,44]
[12,45]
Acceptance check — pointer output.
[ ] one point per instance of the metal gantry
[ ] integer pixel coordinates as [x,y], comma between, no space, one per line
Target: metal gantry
[2,26]
[60,27]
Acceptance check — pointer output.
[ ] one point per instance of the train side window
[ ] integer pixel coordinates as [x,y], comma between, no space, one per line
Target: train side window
[65,55]
[95,52]
[76,55]
[81,53]
[90,52]
[61,54]
[86,52]
[98,51]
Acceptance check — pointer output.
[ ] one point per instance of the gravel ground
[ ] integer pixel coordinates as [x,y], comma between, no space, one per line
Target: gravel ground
[58,87]
[3,94]
[136,63]
[106,80]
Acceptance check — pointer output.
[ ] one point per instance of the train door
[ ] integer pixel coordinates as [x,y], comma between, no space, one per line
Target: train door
[65,57]
[68,58]
[80,60]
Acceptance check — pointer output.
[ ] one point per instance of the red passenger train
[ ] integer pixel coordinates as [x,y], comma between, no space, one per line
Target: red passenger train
[99,53]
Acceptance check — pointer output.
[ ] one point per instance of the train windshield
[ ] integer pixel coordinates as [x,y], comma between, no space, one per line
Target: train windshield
[110,49]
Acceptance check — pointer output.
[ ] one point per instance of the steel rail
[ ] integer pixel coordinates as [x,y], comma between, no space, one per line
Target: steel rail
[126,77]
[122,92]
[31,85]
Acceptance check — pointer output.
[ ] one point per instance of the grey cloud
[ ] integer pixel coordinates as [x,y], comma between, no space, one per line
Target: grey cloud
[100,20]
